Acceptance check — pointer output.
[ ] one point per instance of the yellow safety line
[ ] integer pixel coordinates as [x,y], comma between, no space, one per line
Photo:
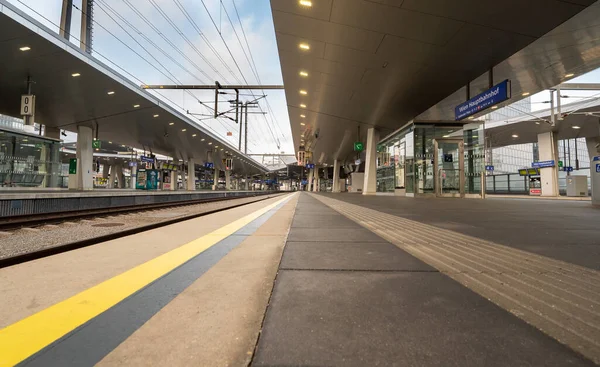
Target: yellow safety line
[30,335]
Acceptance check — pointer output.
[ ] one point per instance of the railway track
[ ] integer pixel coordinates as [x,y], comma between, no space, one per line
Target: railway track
[17,223]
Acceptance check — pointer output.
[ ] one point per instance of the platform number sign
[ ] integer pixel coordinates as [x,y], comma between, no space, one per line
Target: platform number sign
[359,146]
[27,104]
[96,144]
[597,167]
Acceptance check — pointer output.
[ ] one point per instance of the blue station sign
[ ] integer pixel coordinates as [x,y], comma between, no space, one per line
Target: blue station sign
[209,165]
[497,94]
[543,164]
[310,165]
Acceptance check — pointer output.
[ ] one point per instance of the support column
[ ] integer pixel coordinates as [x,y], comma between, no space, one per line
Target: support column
[216,179]
[173,174]
[133,178]
[311,174]
[105,170]
[119,176]
[85,159]
[336,176]
[191,179]
[548,149]
[593,145]
[370,183]
[227,180]
[247,183]
[111,177]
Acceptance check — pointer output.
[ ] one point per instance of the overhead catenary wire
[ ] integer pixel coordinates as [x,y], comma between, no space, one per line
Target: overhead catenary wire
[278,143]
[273,116]
[148,52]
[74,37]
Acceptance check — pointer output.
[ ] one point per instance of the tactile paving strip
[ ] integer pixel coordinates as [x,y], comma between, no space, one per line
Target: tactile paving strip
[559,298]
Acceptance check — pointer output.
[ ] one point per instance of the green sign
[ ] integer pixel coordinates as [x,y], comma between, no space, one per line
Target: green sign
[96,144]
[358,146]
[73,166]
[39,145]
[560,163]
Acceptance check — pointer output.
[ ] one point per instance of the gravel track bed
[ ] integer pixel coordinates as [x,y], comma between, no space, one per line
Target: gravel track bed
[27,240]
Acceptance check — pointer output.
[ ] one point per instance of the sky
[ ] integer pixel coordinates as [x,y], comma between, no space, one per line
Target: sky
[154,42]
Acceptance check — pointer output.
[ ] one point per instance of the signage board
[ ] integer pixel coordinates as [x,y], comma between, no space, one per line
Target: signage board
[560,163]
[27,105]
[96,144]
[73,166]
[535,192]
[543,164]
[568,169]
[310,165]
[209,165]
[358,146]
[497,94]
[529,172]
[145,159]
[357,162]
[596,158]
[597,167]
[489,168]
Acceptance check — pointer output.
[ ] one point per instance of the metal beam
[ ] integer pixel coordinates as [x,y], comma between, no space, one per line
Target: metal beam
[578,86]
[211,87]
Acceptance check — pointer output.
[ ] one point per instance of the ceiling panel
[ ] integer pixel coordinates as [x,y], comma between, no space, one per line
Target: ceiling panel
[320,9]
[395,21]
[331,33]
[512,15]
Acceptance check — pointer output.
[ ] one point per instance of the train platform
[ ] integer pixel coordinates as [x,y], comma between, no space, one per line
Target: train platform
[35,202]
[304,279]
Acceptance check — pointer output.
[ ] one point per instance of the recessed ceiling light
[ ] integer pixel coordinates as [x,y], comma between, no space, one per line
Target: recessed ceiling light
[97,149]
[515,136]
[307,3]
[303,92]
[171,123]
[446,136]
[303,116]
[202,139]
[193,135]
[494,107]
[216,146]
[210,143]
[74,75]
[471,118]
[136,105]
[123,146]
[302,105]
[183,129]
[569,75]
[302,124]
[304,46]
[576,127]
[110,142]
[25,48]
[221,149]
[24,139]
[525,94]
[110,93]
[303,73]
[155,115]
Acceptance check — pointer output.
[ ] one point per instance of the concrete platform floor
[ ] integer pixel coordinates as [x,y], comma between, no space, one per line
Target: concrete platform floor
[564,230]
[344,296]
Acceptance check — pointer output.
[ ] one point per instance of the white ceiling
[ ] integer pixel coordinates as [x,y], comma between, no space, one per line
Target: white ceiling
[384,62]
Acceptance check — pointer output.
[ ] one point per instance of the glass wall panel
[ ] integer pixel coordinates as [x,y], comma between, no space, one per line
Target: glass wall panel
[27,161]
[474,145]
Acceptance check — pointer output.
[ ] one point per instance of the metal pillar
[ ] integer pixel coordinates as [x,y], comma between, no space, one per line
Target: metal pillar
[87,20]
[65,19]
[370,183]
[246,132]
[336,176]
